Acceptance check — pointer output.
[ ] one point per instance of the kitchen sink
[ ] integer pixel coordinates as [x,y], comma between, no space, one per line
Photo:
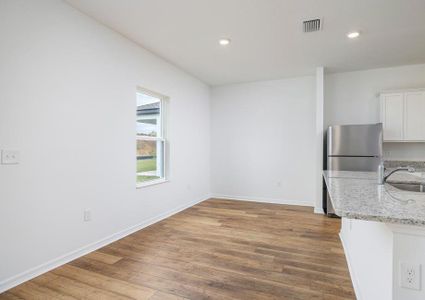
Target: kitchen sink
[411,187]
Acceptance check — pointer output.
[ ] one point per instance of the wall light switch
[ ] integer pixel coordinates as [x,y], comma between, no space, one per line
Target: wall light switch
[9,157]
[87,215]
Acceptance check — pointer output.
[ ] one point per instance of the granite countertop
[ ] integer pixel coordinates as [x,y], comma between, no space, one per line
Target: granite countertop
[357,195]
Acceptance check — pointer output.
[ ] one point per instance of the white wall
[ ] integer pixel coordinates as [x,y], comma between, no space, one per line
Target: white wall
[352,98]
[67,102]
[404,151]
[263,141]
[320,106]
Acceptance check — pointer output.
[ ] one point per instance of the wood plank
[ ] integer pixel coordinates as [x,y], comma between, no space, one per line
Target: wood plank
[103,282]
[31,290]
[79,290]
[103,257]
[9,296]
[164,296]
[217,249]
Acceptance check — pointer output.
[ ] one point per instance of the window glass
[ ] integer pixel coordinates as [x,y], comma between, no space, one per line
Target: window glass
[150,152]
[148,115]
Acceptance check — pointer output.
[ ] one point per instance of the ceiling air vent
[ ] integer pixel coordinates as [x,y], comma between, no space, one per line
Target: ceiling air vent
[312,25]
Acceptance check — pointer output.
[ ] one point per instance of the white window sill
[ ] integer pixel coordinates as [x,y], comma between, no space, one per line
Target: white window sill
[151,182]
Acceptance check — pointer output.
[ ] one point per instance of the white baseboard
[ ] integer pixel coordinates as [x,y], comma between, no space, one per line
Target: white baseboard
[262,199]
[61,260]
[319,210]
[353,276]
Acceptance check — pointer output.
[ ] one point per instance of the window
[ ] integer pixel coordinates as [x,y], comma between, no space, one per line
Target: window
[150,155]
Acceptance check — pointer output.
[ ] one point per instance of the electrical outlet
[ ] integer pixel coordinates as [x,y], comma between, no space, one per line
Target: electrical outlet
[9,157]
[410,275]
[279,184]
[87,215]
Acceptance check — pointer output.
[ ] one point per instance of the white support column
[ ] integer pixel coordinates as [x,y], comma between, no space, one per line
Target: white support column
[320,101]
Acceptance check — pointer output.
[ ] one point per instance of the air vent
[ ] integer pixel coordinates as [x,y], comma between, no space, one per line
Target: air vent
[312,25]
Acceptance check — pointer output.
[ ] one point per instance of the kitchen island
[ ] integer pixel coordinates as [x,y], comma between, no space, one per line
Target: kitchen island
[357,195]
[382,231]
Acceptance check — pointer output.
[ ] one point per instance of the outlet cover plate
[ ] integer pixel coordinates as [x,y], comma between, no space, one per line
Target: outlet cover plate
[9,157]
[410,275]
[87,215]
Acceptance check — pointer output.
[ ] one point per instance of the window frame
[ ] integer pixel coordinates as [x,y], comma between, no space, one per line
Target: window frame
[161,137]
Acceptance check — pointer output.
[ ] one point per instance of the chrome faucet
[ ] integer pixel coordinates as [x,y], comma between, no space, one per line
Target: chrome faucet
[408,169]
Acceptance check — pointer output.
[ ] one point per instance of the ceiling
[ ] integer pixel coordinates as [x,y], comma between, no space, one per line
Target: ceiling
[267,38]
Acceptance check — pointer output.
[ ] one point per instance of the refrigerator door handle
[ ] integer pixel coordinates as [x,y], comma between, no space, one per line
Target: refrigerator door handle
[354,156]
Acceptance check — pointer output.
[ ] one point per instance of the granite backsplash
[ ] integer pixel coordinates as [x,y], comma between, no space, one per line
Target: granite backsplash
[392,164]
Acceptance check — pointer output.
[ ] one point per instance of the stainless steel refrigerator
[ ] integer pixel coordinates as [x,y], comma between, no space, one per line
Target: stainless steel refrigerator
[353,148]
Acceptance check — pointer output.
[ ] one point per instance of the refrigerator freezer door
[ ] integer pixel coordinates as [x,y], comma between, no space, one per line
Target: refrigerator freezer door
[354,163]
[355,140]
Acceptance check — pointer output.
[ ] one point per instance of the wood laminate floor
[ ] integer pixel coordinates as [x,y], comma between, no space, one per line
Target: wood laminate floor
[218,249]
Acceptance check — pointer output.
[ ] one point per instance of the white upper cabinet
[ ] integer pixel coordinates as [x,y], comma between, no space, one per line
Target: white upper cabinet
[414,116]
[403,116]
[392,116]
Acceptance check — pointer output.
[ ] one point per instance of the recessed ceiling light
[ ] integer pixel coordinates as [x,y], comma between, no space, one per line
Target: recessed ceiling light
[353,35]
[224,42]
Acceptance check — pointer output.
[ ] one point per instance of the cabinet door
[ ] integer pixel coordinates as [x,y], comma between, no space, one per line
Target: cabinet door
[392,116]
[414,116]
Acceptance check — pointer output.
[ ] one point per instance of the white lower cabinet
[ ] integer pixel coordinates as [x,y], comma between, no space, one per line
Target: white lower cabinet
[375,254]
